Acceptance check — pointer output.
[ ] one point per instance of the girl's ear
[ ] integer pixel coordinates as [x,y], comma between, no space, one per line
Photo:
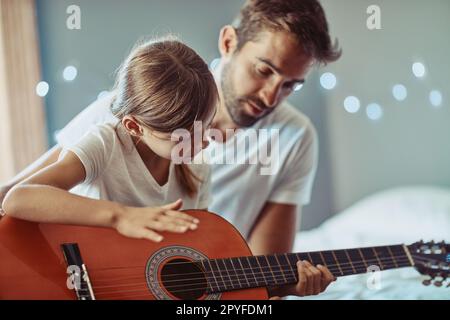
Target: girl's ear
[228,41]
[132,126]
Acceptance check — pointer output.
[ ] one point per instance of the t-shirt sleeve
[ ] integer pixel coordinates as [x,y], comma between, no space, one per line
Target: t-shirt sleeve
[96,113]
[205,189]
[295,181]
[94,150]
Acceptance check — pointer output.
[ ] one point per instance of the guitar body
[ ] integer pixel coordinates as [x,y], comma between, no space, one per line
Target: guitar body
[33,265]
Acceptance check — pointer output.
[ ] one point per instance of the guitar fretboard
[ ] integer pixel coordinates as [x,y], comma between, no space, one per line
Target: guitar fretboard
[280,269]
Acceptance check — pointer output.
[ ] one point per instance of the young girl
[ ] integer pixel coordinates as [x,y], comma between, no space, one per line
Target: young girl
[120,175]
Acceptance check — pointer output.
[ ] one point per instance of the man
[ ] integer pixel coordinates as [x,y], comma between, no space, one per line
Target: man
[264,57]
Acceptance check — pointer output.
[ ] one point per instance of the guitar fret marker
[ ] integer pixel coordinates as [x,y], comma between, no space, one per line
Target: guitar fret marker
[229,276]
[212,273]
[243,270]
[363,259]
[337,262]
[238,274]
[393,258]
[309,258]
[350,260]
[281,269]
[376,256]
[290,266]
[323,259]
[270,268]
[220,274]
[408,254]
[262,273]
[251,268]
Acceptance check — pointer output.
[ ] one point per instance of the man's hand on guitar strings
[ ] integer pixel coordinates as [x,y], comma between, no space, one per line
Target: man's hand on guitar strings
[312,281]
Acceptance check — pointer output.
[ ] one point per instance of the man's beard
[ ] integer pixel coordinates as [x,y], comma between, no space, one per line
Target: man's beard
[235,105]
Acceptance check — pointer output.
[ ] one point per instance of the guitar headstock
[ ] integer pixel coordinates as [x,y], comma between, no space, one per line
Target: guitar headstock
[432,259]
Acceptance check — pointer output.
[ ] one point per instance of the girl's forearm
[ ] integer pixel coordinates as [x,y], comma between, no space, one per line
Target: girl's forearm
[41,203]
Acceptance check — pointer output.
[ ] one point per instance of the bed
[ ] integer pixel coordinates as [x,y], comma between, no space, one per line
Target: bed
[400,215]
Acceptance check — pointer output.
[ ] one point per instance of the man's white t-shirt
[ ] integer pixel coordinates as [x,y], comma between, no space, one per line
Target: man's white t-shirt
[241,189]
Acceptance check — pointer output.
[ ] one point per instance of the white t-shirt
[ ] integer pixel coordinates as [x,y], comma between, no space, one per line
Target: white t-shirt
[239,191]
[115,171]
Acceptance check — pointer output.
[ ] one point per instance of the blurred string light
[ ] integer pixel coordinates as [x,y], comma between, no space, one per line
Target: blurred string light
[328,81]
[435,98]
[213,65]
[374,111]
[298,87]
[399,92]
[55,135]
[352,104]
[418,69]
[42,89]
[102,94]
[70,73]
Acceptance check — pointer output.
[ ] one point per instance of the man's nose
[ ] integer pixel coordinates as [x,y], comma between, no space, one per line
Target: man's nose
[270,95]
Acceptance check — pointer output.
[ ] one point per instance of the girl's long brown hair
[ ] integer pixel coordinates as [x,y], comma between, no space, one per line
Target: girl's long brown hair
[166,85]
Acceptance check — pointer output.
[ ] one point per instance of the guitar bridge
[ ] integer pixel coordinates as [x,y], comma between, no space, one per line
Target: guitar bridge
[76,269]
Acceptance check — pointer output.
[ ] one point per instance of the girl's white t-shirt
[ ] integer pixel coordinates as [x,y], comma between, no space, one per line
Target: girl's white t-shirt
[115,171]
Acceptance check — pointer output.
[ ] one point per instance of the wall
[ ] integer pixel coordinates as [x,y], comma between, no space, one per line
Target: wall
[409,145]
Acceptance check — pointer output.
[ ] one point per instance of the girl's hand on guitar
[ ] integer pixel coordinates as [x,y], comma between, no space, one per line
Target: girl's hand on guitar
[142,223]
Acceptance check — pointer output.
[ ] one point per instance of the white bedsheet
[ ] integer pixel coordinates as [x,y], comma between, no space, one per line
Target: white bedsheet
[401,215]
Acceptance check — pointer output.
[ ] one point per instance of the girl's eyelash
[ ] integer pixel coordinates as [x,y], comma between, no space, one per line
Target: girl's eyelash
[288,86]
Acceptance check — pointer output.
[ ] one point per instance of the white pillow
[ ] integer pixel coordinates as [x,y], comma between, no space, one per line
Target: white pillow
[405,214]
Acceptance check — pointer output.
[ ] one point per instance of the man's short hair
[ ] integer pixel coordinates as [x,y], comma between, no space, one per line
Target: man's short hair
[305,19]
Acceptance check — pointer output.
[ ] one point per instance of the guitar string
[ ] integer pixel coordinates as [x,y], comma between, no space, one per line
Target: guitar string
[261,256]
[203,287]
[218,280]
[237,279]
[229,274]
[356,264]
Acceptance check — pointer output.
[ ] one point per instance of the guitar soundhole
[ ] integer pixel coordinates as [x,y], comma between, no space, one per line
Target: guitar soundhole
[183,279]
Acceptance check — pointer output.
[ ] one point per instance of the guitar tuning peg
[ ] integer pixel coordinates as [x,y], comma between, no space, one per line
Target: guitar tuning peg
[438,283]
[426,282]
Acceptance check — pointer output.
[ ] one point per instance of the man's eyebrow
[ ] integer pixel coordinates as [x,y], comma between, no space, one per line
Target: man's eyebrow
[278,70]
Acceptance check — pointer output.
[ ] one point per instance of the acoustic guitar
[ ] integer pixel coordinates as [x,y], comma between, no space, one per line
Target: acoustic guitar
[49,261]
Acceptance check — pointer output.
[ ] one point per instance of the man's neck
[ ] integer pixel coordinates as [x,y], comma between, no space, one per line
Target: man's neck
[222,121]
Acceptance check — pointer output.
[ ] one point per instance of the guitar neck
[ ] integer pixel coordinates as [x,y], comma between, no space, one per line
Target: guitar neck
[280,269]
